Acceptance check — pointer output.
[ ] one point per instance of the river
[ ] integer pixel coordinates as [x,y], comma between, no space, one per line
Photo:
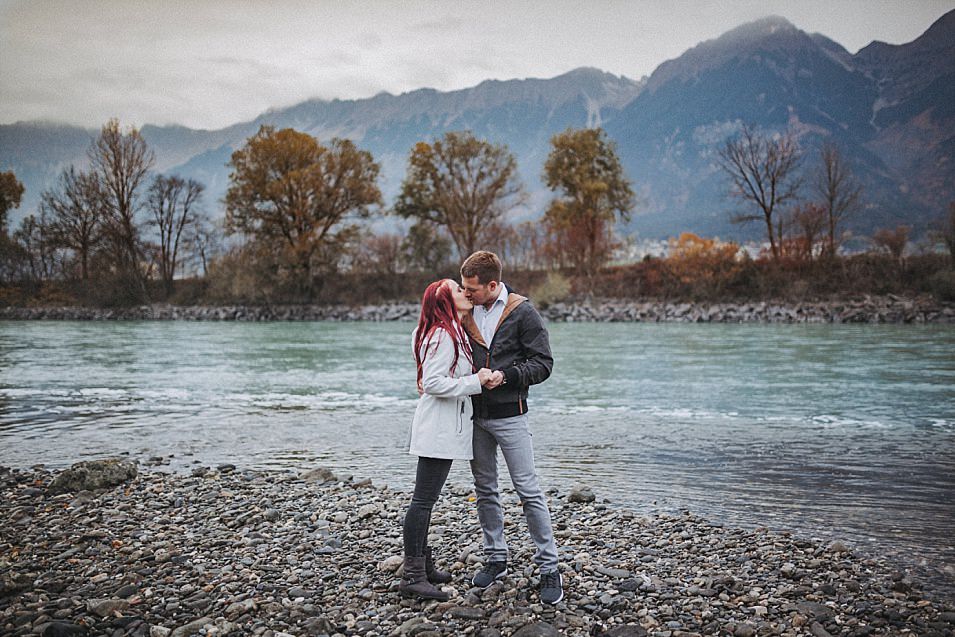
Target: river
[834,431]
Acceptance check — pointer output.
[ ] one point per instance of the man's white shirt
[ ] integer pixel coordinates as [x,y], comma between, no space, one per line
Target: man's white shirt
[487,319]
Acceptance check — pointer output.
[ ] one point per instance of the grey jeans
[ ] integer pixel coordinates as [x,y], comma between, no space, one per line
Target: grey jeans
[513,436]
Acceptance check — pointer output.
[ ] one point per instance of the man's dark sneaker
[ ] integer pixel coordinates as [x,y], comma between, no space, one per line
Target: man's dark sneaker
[551,589]
[492,571]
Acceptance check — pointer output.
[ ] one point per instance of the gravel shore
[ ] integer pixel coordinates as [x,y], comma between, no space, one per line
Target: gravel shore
[230,552]
[867,309]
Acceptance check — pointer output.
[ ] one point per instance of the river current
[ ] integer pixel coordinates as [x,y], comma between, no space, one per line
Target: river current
[833,431]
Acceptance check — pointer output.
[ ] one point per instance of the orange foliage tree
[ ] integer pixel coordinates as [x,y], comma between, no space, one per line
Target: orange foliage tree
[702,263]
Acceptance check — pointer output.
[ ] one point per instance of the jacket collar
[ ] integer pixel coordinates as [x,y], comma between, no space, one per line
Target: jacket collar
[470,326]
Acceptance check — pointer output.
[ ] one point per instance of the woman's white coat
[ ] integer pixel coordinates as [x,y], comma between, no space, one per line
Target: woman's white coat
[442,424]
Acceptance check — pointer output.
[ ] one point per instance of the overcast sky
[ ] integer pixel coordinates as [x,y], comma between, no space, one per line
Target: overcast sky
[208,64]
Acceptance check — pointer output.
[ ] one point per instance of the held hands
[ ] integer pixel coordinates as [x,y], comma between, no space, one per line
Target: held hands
[490,379]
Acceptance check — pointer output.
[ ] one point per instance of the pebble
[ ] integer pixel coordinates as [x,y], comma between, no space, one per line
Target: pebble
[266,554]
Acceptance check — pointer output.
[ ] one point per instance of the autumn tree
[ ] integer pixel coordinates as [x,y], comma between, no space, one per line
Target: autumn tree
[173,203]
[461,184]
[585,172]
[763,171]
[11,193]
[702,264]
[120,161]
[76,210]
[288,188]
[839,193]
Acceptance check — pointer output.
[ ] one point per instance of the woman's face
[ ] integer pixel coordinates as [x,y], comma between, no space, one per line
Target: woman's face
[461,302]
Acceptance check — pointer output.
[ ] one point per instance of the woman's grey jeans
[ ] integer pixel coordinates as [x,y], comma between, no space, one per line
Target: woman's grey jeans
[513,436]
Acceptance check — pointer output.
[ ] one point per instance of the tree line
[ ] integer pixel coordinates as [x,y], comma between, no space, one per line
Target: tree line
[297,212]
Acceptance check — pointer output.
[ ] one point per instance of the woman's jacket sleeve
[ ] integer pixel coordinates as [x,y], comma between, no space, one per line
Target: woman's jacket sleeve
[436,378]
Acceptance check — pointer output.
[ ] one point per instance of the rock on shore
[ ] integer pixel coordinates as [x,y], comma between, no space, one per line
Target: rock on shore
[230,552]
[869,309]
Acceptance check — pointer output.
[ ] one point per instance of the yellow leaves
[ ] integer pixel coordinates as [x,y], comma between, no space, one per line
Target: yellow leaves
[693,258]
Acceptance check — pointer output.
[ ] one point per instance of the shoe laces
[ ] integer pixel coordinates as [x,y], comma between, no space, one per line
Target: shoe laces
[492,568]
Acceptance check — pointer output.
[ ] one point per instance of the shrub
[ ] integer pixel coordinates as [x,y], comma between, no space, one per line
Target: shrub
[553,289]
[942,285]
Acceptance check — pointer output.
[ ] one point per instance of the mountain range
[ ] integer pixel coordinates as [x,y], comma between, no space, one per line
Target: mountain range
[889,108]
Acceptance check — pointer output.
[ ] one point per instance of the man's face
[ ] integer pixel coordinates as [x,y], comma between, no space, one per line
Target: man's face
[480,293]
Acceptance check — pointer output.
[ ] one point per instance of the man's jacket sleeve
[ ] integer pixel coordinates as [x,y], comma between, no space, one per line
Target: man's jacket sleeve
[539,362]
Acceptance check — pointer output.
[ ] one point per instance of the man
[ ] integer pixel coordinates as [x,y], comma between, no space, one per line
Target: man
[507,335]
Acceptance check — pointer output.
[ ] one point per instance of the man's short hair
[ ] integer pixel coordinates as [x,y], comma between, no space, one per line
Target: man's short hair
[484,265]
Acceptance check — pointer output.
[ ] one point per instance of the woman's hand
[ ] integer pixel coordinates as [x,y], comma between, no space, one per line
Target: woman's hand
[485,375]
[490,379]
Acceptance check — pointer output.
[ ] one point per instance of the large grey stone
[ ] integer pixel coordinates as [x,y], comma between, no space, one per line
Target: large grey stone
[191,627]
[581,493]
[63,629]
[320,475]
[538,629]
[91,475]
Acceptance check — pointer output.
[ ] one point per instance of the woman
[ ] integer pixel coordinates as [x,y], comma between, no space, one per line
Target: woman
[441,429]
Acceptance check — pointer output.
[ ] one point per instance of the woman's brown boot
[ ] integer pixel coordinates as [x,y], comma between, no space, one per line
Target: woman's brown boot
[414,582]
[434,575]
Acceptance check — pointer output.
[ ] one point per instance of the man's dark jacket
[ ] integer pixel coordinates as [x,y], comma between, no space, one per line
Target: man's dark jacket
[520,348]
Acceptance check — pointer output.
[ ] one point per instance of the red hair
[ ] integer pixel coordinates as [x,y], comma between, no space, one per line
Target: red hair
[439,313]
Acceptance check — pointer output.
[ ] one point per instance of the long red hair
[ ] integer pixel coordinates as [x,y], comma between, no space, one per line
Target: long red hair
[439,313]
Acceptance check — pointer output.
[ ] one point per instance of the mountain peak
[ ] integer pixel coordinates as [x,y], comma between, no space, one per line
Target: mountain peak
[770,25]
[772,33]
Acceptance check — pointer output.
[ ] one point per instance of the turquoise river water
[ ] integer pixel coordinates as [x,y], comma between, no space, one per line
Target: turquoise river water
[832,431]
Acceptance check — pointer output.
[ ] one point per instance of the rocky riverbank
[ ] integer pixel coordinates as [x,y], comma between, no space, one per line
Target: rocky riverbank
[228,552]
[869,309]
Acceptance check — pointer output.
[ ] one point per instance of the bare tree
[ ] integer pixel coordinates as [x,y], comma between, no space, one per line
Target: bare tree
[76,212]
[893,241]
[809,220]
[943,230]
[35,239]
[173,203]
[462,184]
[202,243]
[121,161]
[763,172]
[426,248]
[839,193]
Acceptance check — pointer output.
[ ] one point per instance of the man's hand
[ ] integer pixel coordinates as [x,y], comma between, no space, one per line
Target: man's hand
[420,389]
[495,379]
